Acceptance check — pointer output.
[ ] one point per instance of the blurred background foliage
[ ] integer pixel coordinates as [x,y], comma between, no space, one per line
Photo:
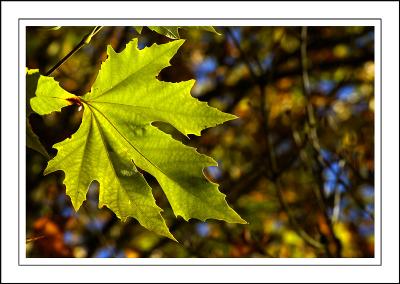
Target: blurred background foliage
[298,164]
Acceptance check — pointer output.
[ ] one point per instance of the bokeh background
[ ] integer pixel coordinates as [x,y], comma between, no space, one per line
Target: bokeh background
[298,164]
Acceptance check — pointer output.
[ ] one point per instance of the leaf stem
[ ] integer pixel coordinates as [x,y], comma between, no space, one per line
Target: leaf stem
[85,40]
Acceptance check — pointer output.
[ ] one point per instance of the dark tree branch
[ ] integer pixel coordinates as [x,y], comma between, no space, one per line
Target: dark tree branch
[314,141]
[85,40]
[272,172]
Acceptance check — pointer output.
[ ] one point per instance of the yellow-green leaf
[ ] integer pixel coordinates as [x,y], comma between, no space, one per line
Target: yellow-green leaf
[32,140]
[173,31]
[116,138]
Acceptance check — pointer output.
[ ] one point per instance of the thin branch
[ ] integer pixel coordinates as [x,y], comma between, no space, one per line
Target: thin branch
[314,140]
[261,82]
[325,163]
[336,206]
[85,40]
[296,226]
[245,58]
[29,240]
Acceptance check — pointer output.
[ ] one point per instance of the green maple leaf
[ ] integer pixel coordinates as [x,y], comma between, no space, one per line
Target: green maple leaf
[173,31]
[116,137]
[168,31]
[32,140]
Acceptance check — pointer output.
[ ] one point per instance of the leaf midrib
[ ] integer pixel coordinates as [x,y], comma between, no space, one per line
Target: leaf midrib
[132,74]
[83,155]
[91,107]
[144,107]
[112,166]
[109,160]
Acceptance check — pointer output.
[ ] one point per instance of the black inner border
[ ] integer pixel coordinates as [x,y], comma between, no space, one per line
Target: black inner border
[204,19]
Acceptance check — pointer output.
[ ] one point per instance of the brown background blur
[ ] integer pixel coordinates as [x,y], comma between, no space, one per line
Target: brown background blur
[298,164]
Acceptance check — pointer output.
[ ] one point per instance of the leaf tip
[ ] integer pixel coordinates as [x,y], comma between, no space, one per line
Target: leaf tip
[236,219]
[177,43]
[31,71]
[171,237]
[230,116]
[242,221]
[110,50]
[76,204]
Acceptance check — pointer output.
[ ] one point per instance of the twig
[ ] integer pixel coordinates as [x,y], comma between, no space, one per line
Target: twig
[28,240]
[271,159]
[336,204]
[343,183]
[296,226]
[85,40]
[314,141]
[261,82]
[246,59]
